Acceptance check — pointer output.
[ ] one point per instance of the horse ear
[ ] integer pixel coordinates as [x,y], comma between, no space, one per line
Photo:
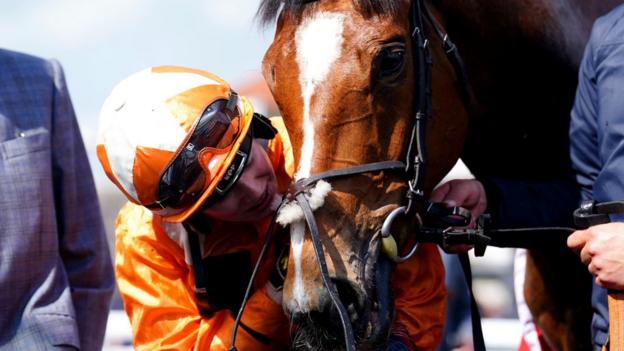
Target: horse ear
[280,21]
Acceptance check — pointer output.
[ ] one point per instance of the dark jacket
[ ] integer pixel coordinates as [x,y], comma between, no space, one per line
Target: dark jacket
[597,130]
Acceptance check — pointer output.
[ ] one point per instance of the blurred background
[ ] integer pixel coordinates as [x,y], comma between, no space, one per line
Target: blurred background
[100,42]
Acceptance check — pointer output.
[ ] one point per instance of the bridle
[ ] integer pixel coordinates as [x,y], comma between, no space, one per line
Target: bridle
[413,168]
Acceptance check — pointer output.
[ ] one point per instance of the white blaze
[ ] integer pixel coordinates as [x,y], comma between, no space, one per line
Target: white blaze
[319,42]
[297,231]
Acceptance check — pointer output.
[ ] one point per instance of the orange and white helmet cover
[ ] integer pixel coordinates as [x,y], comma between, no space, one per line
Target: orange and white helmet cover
[146,121]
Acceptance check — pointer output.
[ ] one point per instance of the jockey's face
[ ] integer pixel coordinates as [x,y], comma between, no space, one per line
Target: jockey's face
[254,196]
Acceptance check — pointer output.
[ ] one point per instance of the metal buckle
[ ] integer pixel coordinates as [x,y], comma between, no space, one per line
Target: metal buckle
[412,191]
[415,31]
[587,207]
[448,45]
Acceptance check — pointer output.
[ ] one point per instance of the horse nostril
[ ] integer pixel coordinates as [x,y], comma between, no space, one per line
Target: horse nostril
[349,298]
[313,318]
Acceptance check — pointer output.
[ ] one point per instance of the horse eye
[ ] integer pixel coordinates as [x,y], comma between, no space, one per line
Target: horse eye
[390,62]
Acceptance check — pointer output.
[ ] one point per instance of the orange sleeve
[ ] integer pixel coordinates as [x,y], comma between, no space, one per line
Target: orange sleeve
[421,297]
[157,288]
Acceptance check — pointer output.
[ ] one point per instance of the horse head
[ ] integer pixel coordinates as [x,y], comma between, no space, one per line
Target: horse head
[342,74]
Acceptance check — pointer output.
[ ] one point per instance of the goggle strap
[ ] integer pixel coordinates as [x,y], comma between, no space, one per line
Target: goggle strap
[235,173]
[262,127]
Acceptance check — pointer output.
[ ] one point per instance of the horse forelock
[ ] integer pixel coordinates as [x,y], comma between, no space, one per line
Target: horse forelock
[269,10]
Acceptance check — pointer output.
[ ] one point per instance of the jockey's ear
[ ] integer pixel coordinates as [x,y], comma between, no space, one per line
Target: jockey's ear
[262,127]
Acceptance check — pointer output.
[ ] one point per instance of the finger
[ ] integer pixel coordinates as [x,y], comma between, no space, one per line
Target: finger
[606,281]
[439,193]
[456,195]
[462,193]
[586,255]
[594,267]
[576,241]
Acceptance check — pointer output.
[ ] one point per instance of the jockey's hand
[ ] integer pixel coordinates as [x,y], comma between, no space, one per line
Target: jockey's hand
[601,248]
[466,193]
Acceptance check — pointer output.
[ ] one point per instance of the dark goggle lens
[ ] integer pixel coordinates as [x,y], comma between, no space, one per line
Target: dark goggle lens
[182,182]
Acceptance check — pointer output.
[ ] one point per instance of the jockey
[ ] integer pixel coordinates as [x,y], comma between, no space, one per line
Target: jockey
[204,175]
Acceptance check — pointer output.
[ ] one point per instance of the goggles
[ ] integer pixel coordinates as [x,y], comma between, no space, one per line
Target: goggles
[184,180]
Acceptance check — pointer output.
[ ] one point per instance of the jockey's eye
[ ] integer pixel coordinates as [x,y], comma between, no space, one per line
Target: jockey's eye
[390,62]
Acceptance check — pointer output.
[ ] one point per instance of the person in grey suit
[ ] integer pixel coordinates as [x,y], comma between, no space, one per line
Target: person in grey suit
[56,277]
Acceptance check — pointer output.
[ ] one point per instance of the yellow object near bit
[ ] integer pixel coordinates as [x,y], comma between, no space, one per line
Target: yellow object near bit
[389,247]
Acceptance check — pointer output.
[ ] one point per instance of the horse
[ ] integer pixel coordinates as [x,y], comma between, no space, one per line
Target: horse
[522,58]
[341,74]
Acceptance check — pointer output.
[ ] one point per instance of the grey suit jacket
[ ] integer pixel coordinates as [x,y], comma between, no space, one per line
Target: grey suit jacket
[56,277]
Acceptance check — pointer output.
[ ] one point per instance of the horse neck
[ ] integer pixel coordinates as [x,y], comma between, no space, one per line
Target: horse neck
[560,24]
[508,47]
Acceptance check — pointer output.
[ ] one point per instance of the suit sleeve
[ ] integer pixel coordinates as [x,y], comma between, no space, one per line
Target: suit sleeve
[157,288]
[583,124]
[420,298]
[598,115]
[597,132]
[83,247]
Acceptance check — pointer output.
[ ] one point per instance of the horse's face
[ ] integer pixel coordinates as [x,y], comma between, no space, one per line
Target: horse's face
[343,81]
